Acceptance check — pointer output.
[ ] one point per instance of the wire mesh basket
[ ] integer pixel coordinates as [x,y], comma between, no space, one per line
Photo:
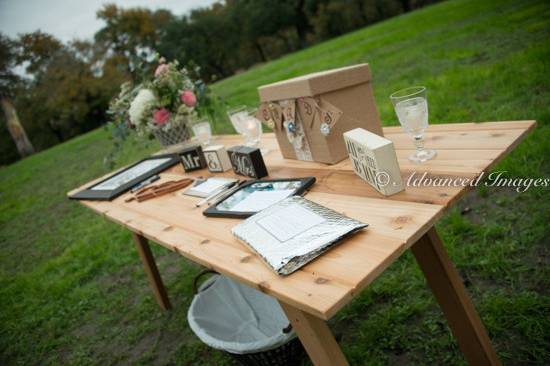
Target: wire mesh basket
[247,324]
[174,135]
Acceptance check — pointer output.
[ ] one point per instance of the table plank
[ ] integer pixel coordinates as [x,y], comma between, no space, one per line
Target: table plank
[470,126]
[173,221]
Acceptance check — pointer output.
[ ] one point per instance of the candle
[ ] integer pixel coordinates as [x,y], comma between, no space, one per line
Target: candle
[252,131]
[252,127]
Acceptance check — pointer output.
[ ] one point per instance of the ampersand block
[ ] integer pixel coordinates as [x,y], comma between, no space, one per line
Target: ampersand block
[216,158]
[247,161]
[192,158]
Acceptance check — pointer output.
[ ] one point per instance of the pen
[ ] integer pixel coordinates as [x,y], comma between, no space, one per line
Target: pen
[144,183]
[216,193]
[223,195]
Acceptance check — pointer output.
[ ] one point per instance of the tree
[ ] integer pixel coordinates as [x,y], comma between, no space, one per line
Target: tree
[70,88]
[303,11]
[131,34]
[406,4]
[261,19]
[207,37]
[35,50]
[8,81]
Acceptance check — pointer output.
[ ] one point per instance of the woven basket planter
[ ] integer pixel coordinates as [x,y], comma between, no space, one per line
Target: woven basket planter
[174,135]
[289,354]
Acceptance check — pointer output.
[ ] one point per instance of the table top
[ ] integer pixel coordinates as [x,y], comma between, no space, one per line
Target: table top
[325,285]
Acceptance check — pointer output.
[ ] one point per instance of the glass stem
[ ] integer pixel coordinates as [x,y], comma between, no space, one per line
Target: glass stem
[419,142]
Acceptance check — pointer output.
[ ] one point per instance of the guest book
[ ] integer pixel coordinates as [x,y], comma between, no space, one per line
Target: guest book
[293,232]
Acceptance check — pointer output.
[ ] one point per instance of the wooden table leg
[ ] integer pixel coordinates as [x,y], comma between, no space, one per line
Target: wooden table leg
[142,245]
[453,298]
[315,335]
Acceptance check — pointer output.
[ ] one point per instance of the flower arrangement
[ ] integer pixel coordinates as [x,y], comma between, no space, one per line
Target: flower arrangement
[165,102]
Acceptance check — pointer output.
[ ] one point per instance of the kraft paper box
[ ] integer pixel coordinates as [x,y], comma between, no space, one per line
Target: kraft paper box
[310,113]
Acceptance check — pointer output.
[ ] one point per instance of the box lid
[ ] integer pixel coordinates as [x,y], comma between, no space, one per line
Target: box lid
[316,83]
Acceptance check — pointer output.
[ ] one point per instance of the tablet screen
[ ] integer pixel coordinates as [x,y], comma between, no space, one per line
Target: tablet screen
[257,196]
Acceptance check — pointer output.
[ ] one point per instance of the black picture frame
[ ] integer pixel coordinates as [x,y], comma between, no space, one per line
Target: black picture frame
[108,194]
[213,211]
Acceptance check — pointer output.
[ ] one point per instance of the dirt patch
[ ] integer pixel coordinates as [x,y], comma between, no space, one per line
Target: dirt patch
[539,260]
[479,209]
[86,331]
[170,265]
[145,345]
[167,346]
[400,359]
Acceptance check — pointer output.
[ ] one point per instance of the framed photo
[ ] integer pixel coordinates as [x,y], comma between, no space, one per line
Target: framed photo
[122,181]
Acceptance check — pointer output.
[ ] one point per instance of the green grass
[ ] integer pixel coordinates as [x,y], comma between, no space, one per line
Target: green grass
[72,289]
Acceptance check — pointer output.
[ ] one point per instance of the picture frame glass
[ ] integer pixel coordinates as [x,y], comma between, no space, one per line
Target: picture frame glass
[128,175]
[123,180]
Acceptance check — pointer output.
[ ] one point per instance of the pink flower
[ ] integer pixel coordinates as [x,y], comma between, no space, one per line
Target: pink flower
[161,116]
[161,69]
[189,98]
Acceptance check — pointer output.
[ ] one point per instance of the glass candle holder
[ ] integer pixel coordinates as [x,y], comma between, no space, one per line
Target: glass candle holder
[237,116]
[202,130]
[252,129]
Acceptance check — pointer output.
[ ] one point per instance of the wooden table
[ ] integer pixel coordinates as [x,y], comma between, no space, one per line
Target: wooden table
[319,290]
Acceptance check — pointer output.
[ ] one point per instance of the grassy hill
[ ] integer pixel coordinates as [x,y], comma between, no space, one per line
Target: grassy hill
[72,289]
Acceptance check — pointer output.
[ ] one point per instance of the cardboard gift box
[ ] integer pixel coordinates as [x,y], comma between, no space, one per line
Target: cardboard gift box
[310,113]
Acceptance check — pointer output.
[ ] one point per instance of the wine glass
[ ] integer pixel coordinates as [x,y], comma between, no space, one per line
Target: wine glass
[236,116]
[202,130]
[411,107]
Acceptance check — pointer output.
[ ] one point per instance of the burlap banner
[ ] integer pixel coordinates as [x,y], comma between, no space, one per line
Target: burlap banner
[314,113]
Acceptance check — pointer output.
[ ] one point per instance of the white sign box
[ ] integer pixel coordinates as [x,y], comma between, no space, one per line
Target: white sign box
[373,159]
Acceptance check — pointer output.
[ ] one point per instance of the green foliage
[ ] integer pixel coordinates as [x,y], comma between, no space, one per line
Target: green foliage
[226,38]
[72,83]
[9,82]
[203,38]
[8,79]
[68,93]
[37,50]
[131,33]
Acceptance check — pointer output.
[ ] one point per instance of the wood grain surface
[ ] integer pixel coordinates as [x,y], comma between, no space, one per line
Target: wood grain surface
[322,287]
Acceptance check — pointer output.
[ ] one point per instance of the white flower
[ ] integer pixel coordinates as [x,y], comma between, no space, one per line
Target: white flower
[143,101]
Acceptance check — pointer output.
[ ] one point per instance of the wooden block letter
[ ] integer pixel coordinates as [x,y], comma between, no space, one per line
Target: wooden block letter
[192,158]
[216,158]
[247,161]
[373,159]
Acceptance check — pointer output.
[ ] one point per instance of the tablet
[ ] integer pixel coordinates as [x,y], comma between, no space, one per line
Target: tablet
[253,196]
